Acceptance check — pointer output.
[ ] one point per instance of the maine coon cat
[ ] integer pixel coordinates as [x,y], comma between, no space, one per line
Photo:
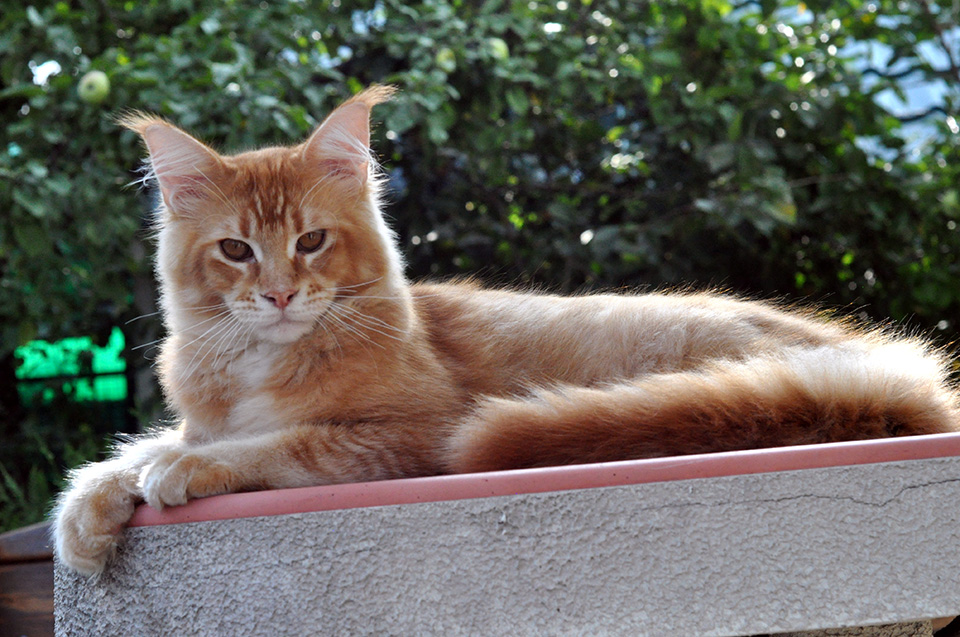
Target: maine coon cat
[298,354]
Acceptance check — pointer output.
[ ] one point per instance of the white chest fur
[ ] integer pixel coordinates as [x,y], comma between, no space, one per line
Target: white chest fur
[255,365]
[255,410]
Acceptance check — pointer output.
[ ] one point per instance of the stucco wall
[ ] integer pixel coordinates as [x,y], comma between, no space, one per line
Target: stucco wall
[775,552]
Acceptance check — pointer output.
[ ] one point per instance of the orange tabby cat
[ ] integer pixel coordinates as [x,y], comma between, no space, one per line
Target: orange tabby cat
[299,355]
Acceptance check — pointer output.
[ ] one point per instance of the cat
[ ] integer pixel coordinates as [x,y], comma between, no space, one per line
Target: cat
[298,354]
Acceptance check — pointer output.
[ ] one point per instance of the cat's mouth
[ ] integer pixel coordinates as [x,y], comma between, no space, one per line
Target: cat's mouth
[285,318]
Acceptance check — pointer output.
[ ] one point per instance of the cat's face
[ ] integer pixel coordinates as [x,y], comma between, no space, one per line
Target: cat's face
[265,245]
[276,245]
[273,271]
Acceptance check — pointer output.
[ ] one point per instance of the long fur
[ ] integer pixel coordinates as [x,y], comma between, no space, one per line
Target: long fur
[296,366]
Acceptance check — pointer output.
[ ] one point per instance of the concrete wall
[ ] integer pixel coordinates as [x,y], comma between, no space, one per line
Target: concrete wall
[774,552]
[910,629]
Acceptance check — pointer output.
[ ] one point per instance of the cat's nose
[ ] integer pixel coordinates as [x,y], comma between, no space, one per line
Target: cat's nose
[280,298]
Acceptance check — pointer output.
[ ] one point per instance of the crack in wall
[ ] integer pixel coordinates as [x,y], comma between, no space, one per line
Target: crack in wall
[803,496]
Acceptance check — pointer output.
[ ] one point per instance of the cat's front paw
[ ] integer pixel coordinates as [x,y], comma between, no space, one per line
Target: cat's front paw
[90,516]
[178,476]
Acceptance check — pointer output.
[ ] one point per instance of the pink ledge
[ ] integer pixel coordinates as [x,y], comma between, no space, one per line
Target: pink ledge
[500,483]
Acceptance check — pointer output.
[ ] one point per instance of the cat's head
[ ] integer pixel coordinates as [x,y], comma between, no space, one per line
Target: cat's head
[264,243]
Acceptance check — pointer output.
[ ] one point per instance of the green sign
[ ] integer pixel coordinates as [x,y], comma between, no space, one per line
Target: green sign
[79,368]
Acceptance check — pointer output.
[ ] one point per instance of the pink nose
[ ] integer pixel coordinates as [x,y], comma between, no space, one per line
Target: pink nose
[280,298]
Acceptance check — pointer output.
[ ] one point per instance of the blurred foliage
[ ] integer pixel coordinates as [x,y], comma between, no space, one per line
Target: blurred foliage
[570,145]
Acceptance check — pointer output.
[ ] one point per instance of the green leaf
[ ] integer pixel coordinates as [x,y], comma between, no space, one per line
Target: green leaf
[21,90]
[720,156]
[436,129]
[31,202]
[666,58]
[223,73]
[210,25]
[13,491]
[266,101]
[517,100]
[34,17]
[778,202]
[31,239]
[402,116]
[59,184]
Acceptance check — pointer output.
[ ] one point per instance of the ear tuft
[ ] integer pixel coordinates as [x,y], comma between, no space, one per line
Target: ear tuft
[184,168]
[340,146]
[373,95]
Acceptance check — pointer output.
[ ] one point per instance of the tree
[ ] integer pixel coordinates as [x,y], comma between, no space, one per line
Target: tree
[574,145]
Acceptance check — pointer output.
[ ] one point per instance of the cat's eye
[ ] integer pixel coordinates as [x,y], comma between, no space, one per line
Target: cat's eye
[311,241]
[236,250]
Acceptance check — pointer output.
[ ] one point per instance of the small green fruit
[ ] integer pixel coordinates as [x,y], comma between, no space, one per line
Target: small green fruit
[446,60]
[94,87]
[498,48]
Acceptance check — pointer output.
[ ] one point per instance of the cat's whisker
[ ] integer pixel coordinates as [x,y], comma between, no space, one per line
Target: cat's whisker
[374,324]
[216,326]
[245,333]
[213,317]
[355,314]
[220,197]
[246,342]
[228,344]
[333,337]
[190,328]
[376,320]
[367,322]
[209,347]
[224,342]
[319,183]
[375,297]
[202,307]
[337,320]
[359,285]
[352,330]
[215,306]
[189,309]
[217,329]
[155,342]
[143,316]
[218,193]
[206,337]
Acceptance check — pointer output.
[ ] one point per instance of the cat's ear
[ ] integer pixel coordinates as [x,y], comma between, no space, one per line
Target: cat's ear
[340,147]
[184,168]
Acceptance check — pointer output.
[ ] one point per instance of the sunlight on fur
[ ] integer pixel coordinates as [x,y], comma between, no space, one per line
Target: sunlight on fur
[297,353]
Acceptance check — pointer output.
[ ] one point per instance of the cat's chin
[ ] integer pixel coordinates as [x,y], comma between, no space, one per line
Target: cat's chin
[285,331]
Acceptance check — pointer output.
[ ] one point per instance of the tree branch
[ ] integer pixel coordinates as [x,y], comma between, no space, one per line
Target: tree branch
[941,39]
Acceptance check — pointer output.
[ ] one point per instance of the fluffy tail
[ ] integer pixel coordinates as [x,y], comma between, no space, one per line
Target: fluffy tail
[801,396]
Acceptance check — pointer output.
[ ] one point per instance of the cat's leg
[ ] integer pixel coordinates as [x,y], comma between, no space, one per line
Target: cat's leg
[90,513]
[299,456]
[802,396]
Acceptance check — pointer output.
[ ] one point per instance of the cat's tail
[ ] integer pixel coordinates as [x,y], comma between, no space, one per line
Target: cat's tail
[802,396]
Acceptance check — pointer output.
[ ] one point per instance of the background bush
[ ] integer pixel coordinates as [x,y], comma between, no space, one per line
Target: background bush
[764,147]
